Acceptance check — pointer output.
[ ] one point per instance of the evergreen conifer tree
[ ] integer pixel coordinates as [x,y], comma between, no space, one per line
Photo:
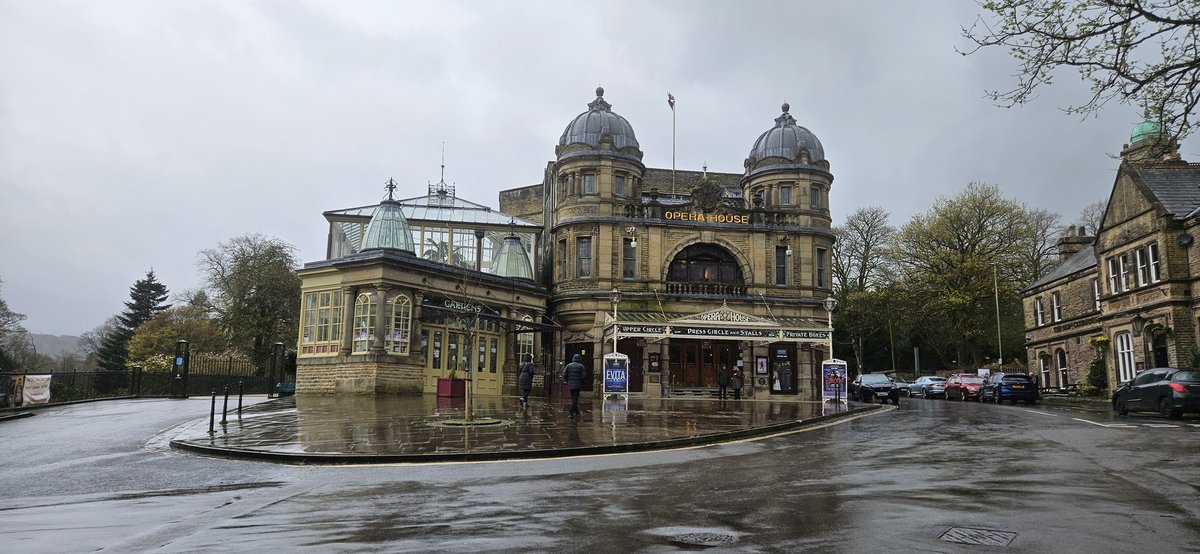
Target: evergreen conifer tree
[147,297]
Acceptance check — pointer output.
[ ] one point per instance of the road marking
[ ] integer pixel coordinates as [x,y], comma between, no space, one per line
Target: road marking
[1194,425]
[1161,425]
[1042,413]
[1109,425]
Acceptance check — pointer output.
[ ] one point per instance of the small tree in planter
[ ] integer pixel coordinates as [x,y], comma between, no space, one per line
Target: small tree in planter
[1097,375]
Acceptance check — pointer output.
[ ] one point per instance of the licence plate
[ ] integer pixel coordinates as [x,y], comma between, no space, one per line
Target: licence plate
[1018,386]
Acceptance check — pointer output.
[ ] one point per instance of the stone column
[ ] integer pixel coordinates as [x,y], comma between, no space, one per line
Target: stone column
[348,298]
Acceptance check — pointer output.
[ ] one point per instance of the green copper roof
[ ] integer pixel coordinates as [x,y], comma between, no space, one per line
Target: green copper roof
[512,261]
[388,228]
[1145,130]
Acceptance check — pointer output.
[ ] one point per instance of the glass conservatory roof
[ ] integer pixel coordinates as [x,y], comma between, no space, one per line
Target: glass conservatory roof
[443,207]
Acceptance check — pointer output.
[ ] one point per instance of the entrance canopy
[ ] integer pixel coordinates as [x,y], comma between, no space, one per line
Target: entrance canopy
[723,323]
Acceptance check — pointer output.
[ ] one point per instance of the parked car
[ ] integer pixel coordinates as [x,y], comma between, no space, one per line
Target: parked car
[1168,391]
[999,387]
[963,386]
[869,386]
[901,384]
[928,386]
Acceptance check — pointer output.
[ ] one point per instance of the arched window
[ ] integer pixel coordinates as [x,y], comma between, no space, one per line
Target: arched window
[399,325]
[1061,359]
[524,342]
[1126,368]
[364,322]
[705,263]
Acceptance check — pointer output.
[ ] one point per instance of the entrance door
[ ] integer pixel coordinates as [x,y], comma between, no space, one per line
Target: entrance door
[629,347]
[685,363]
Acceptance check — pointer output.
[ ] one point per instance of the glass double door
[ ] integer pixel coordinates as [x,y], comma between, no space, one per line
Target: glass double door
[694,363]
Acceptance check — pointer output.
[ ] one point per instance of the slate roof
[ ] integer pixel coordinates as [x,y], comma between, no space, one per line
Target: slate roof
[1081,261]
[1175,185]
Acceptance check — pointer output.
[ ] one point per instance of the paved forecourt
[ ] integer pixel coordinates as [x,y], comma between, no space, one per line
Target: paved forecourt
[394,429]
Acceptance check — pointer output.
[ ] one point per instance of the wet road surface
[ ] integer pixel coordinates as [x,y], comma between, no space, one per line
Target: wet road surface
[912,479]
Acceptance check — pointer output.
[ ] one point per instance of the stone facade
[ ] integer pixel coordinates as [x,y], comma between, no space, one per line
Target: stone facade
[1128,296]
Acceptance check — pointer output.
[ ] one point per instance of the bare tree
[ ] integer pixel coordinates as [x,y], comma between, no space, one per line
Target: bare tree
[858,259]
[1140,52]
[1090,218]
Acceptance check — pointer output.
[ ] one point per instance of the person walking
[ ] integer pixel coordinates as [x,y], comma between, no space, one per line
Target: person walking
[525,379]
[573,377]
[722,382]
[736,383]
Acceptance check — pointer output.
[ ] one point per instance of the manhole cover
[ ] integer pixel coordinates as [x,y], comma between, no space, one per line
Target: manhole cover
[982,537]
[703,539]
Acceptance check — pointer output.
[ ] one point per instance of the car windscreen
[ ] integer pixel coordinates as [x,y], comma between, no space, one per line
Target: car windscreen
[1192,376]
[972,380]
[937,379]
[872,379]
[1015,378]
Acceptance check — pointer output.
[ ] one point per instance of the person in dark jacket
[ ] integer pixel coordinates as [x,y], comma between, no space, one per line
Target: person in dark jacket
[525,379]
[735,383]
[722,382]
[573,377]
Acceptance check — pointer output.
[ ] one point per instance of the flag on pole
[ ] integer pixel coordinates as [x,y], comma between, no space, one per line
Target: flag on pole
[671,100]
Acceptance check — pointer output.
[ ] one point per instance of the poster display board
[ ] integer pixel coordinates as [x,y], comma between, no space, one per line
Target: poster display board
[833,380]
[616,373]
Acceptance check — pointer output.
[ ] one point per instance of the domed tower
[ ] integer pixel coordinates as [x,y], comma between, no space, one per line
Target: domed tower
[787,180]
[1149,142]
[594,186]
[599,160]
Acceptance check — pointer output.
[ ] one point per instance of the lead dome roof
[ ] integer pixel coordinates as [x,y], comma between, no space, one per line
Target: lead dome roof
[588,126]
[786,139]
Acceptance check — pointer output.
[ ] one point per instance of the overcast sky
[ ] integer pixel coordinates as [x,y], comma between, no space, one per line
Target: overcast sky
[135,134]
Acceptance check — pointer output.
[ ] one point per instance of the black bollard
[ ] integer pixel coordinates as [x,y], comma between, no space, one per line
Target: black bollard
[212,412]
[241,383]
[225,407]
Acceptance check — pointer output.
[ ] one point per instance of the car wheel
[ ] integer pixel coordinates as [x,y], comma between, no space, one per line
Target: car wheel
[963,397]
[1165,409]
[1121,408]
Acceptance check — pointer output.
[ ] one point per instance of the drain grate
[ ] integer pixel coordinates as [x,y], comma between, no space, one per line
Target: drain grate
[981,537]
[703,539]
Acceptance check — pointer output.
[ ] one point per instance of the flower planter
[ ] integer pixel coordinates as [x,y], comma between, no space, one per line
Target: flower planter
[451,387]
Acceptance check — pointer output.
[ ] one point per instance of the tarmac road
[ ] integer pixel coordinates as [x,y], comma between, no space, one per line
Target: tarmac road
[99,476]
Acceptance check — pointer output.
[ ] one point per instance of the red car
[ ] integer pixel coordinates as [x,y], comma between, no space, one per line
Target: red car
[964,386]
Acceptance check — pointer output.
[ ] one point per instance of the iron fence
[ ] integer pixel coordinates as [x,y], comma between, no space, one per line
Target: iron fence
[204,375]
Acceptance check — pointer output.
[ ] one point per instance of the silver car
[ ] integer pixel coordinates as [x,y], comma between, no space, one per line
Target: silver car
[928,387]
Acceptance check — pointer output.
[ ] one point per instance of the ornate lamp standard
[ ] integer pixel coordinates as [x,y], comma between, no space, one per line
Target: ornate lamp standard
[615,296]
[830,304]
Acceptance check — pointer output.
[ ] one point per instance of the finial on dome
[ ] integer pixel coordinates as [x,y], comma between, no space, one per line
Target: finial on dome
[391,186]
[600,91]
[786,107]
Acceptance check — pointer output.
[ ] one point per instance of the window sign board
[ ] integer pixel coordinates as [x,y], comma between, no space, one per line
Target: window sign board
[833,379]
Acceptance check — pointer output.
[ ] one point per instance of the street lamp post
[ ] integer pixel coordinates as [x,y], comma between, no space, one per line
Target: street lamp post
[615,296]
[996,289]
[830,304]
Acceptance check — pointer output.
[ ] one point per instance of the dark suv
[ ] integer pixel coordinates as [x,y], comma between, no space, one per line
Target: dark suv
[999,387]
[869,386]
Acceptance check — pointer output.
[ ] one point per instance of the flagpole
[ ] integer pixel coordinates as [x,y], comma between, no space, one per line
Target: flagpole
[672,147]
